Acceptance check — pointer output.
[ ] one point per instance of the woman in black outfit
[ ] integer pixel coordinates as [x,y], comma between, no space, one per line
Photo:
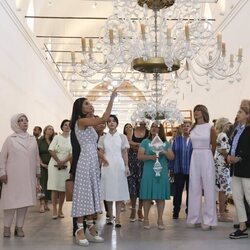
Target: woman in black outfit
[135,167]
[239,157]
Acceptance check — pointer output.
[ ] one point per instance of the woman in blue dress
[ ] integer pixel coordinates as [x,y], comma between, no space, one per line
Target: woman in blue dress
[154,187]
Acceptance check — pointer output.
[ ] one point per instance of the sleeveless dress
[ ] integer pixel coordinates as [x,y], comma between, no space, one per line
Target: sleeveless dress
[86,194]
[135,168]
[222,171]
[202,176]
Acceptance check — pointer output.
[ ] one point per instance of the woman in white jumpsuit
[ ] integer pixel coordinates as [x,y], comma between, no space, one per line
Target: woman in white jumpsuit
[202,172]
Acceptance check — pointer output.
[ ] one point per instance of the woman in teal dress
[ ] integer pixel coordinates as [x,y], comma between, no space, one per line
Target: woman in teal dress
[152,187]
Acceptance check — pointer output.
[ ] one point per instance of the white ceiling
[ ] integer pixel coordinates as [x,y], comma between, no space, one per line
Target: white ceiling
[59,24]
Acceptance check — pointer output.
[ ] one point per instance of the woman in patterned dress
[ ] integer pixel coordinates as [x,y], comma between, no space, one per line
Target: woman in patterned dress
[135,167]
[86,195]
[222,172]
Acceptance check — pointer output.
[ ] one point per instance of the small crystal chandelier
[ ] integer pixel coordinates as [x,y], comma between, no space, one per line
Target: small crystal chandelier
[157,36]
[156,110]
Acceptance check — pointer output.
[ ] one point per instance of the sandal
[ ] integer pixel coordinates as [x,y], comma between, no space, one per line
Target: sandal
[91,233]
[239,234]
[146,224]
[81,241]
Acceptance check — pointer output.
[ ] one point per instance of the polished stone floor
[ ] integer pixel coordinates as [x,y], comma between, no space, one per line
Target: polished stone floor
[43,233]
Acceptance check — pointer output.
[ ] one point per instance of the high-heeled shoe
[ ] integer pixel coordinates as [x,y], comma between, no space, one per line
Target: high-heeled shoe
[6,232]
[81,241]
[89,233]
[19,232]
[146,224]
[140,215]
[132,215]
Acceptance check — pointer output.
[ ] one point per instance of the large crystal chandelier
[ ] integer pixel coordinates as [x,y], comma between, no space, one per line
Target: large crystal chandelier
[145,39]
[157,36]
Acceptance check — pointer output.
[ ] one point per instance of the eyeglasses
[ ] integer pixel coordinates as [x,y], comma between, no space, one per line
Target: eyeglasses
[22,120]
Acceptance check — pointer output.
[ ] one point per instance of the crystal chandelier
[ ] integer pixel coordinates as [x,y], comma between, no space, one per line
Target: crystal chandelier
[157,36]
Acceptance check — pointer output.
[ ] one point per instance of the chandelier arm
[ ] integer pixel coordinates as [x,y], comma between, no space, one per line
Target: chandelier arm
[233,72]
[195,71]
[211,63]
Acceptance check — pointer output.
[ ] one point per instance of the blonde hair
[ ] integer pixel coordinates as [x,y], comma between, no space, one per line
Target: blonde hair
[245,106]
[220,124]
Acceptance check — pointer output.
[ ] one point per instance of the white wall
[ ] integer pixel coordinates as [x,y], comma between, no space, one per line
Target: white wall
[27,83]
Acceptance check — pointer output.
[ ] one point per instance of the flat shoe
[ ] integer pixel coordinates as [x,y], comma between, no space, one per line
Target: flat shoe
[42,210]
[161,227]
[54,217]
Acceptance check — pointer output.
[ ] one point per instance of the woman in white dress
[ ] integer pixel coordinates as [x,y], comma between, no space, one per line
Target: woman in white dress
[58,169]
[114,175]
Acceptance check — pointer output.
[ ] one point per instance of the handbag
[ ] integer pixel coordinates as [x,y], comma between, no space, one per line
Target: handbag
[69,186]
[172,185]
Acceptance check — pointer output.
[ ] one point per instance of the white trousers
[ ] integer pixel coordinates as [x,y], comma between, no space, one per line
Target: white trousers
[20,216]
[202,176]
[241,188]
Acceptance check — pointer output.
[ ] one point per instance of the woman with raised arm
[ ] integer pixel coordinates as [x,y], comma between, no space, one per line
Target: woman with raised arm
[86,195]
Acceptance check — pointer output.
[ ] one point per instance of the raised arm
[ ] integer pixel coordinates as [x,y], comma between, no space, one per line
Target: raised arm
[84,122]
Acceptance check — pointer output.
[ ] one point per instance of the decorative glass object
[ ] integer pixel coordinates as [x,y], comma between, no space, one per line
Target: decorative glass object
[157,146]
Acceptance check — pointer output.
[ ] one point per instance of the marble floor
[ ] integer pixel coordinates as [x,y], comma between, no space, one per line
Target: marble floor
[43,233]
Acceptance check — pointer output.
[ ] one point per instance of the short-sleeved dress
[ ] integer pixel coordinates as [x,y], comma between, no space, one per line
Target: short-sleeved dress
[152,187]
[56,178]
[114,185]
[86,194]
[222,172]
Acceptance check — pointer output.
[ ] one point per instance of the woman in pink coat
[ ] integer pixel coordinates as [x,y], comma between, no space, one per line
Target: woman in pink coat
[19,167]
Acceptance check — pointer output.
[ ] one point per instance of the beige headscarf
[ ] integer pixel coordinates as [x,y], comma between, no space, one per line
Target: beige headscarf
[15,126]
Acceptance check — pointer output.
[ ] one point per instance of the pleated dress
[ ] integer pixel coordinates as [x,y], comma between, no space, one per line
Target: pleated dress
[154,187]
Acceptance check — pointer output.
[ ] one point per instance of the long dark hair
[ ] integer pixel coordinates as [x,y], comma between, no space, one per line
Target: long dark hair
[77,112]
[76,149]
[124,128]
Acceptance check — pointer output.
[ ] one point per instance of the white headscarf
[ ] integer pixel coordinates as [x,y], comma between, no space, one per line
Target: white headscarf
[15,126]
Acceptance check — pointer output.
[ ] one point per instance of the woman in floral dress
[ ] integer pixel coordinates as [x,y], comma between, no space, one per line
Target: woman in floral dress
[223,179]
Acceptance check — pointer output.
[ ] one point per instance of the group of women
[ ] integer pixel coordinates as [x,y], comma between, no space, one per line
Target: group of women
[121,156]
